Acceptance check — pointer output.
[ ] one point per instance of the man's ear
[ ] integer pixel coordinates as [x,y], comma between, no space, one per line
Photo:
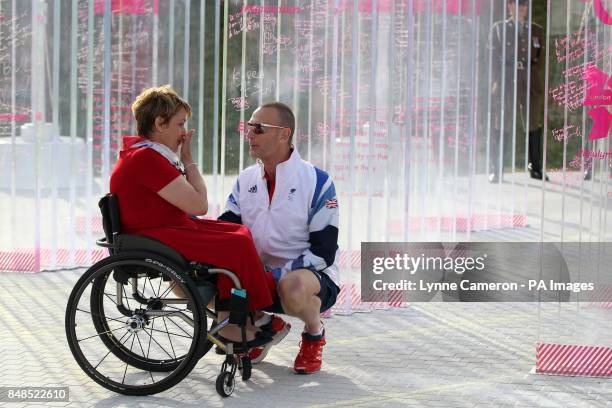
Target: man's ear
[286,134]
[160,123]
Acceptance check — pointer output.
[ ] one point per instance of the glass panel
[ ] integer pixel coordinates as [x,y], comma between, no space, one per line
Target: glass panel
[576,203]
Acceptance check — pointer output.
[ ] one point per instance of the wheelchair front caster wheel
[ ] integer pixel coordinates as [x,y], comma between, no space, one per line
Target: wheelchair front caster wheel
[225,384]
[245,368]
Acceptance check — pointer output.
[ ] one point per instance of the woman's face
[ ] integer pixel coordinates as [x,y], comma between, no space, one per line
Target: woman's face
[172,133]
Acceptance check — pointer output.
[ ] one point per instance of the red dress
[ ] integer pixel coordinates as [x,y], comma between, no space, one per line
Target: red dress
[137,177]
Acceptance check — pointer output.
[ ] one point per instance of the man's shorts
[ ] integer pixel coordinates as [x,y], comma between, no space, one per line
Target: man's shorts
[328,294]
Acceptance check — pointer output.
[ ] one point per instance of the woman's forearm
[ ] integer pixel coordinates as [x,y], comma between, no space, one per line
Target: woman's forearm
[195,179]
[192,173]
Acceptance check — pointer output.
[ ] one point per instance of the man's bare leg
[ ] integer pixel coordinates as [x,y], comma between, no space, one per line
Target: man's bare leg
[298,294]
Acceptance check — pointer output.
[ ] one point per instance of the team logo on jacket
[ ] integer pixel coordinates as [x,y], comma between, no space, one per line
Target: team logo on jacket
[253,189]
[331,203]
[291,194]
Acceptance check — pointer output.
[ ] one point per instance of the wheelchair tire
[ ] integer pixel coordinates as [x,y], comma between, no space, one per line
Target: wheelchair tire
[113,342]
[225,384]
[111,371]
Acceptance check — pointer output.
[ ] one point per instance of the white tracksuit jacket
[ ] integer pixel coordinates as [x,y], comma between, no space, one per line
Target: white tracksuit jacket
[299,228]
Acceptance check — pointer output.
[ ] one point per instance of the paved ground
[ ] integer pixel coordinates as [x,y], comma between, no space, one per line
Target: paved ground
[426,355]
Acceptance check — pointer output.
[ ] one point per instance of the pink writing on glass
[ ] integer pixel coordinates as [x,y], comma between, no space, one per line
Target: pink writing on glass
[452,6]
[572,47]
[17,117]
[571,94]
[566,132]
[123,7]
[239,103]
[577,163]
[271,9]
[383,6]
[463,7]
[594,154]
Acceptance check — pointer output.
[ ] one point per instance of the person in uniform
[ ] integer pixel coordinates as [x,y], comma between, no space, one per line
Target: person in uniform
[527,58]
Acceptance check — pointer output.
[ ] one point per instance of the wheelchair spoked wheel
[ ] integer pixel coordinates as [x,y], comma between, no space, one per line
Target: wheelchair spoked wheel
[137,332]
[98,304]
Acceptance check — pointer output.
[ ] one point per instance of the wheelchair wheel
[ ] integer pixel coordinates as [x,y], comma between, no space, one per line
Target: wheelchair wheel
[97,306]
[225,384]
[140,335]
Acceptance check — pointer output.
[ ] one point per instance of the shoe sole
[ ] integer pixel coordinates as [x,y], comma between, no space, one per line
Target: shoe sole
[278,337]
[304,372]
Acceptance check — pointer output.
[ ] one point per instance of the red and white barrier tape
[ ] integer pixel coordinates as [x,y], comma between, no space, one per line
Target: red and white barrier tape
[601,298]
[564,359]
[461,223]
[349,300]
[32,260]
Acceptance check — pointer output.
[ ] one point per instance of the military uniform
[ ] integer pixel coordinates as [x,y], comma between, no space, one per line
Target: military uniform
[502,72]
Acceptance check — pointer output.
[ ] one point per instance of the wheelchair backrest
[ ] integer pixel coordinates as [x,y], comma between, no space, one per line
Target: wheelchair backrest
[111,222]
[117,242]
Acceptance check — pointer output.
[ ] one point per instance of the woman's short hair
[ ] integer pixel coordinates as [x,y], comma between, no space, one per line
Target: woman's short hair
[162,101]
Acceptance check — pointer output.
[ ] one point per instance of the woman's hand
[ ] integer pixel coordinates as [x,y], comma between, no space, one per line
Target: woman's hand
[187,193]
[186,147]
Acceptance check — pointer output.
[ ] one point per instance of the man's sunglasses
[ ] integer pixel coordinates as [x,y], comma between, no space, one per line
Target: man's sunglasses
[258,128]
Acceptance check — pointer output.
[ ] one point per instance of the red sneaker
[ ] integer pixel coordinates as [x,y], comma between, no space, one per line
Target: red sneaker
[310,357]
[255,354]
[278,328]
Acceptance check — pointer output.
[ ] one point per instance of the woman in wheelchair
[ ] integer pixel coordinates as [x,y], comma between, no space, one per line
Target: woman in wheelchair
[160,191]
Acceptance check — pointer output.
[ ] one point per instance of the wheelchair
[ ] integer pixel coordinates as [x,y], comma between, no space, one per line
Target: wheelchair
[138,321]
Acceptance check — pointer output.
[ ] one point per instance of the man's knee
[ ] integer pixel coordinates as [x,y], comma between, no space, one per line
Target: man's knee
[298,286]
[291,288]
